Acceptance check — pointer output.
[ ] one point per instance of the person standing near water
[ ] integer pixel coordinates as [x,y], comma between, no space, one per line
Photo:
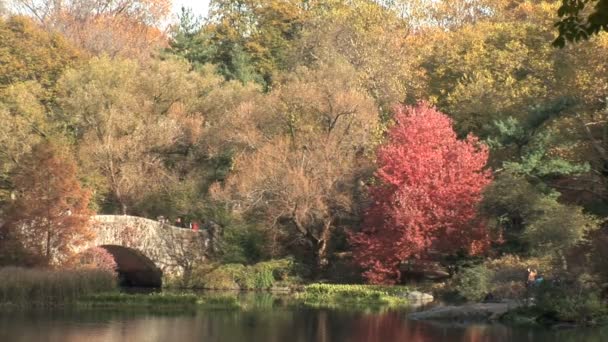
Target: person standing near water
[531,277]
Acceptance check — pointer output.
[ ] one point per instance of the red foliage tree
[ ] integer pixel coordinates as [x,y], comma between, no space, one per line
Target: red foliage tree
[428,186]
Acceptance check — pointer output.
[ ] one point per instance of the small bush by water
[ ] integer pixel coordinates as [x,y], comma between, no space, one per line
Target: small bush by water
[261,276]
[504,278]
[571,302]
[474,283]
[41,287]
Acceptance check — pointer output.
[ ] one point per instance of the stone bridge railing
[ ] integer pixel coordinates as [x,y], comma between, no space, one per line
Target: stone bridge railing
[174,250]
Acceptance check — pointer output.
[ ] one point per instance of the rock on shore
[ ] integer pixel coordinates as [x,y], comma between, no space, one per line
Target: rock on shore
[417,296]
[467,312]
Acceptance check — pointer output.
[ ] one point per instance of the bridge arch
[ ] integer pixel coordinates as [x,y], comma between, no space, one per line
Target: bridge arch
[134,268]
[139,244]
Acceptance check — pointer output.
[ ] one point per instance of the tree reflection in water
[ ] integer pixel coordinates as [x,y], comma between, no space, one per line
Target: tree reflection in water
[264,322]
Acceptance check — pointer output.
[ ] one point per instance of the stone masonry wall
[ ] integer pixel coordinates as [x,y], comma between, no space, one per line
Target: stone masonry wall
[173,250]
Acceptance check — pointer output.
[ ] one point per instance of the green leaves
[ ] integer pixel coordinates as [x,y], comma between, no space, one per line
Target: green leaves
[554,227]
[531,219]
[535,161]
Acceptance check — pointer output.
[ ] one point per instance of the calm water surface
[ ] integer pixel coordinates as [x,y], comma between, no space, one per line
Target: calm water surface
[266,322]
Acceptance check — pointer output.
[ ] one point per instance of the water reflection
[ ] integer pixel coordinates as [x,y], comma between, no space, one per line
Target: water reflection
[264,321]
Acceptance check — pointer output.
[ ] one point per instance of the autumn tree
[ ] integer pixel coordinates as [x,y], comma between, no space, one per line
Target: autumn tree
[428,185]
[301,178]
[248,40]
[49,217]
[588,117]
[367,36]
[444,14]
[29,53]
[484,72]
[129,120]
[31,61]
[251,38]
[540,109]
[127,28]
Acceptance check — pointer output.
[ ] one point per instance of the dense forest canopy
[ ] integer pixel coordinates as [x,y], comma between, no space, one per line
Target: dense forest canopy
[273,118]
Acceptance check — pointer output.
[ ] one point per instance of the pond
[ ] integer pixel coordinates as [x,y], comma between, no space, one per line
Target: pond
[264,319]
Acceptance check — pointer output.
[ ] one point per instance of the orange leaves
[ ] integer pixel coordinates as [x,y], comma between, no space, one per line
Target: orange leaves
[127,28]
[50,215]
[114,35]
[28,52]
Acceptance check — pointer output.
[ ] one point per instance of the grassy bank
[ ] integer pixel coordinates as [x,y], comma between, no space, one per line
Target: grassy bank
[40,287]
[330,295]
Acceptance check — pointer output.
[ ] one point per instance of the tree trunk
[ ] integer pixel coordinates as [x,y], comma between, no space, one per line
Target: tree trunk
[321,253]
[319,244]
[48,244]
[322,243]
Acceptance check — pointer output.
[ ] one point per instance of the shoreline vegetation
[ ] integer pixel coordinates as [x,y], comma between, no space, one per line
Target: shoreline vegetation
[97,289]
[314,295]
[33,288]
[23,287]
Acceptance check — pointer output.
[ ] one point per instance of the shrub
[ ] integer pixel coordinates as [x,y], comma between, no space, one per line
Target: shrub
[559,227]
[575,301]
[224,277]
[504,278]
[41,287]
[474,283]
[508,278]
[532,220]
[242,243]
[263,275]
[260,276]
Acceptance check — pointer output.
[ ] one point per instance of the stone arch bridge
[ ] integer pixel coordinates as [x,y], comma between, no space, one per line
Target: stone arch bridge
[145,249]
